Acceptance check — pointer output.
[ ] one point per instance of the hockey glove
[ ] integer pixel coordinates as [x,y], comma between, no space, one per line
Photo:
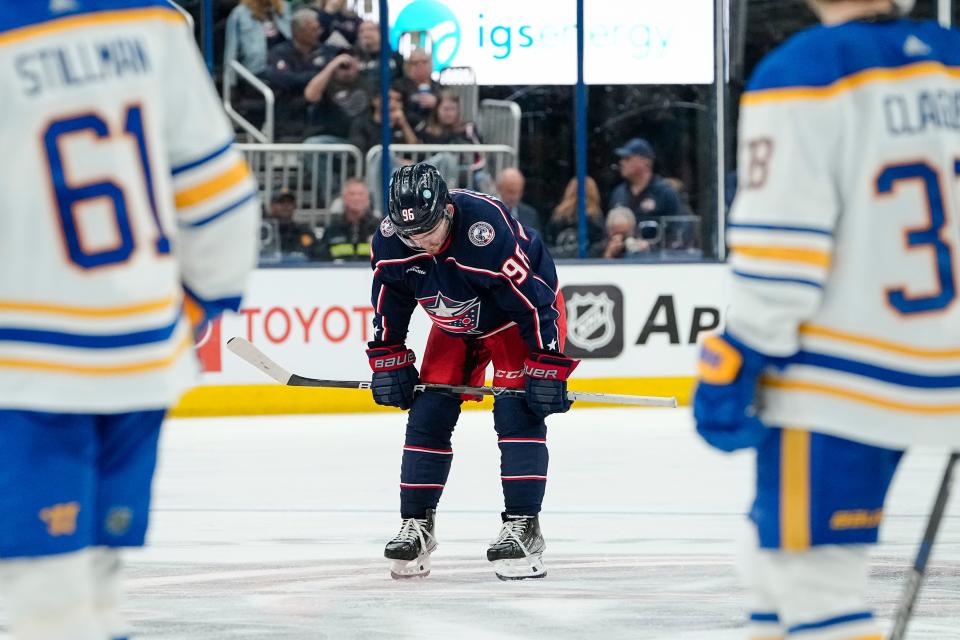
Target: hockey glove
[723,403]
[394,376]
[545,382]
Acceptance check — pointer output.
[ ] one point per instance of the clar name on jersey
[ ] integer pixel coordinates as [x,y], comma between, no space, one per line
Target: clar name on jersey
[908,114]
[81,63]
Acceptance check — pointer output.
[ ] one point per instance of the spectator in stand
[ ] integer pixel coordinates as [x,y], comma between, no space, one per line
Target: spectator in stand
[335,18]
[253,27]
[562,229]
[348,238]
[296,239]
[365,132]
[510,186]
[645,193]
[445,123]
[340,98]
[291,65]
[622,233]
[420,91]
[367,52]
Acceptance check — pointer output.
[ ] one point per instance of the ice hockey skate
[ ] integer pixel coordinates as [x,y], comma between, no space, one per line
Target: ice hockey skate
[409,551]
[516,553]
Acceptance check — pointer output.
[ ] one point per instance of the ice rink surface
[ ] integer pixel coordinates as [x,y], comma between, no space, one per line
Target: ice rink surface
[273,527]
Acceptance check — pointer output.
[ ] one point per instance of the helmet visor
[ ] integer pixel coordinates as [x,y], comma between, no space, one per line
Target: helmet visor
[426,239]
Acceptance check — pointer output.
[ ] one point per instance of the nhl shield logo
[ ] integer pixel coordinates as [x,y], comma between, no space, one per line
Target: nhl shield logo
[481,233]
[590,323]
[594,320]
[386,228]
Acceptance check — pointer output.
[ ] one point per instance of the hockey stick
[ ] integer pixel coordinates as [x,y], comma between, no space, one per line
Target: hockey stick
[919,569]
[258,359]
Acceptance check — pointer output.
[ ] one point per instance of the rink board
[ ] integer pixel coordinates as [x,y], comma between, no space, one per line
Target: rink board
[636,328]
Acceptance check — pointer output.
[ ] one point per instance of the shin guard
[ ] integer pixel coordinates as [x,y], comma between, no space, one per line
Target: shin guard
[427,453]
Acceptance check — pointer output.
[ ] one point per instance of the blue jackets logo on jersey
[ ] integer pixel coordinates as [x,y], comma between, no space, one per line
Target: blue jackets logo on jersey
[451,315]
[481,234]
[386,228]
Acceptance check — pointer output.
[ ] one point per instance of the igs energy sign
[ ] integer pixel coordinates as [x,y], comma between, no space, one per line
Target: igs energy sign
[535,41]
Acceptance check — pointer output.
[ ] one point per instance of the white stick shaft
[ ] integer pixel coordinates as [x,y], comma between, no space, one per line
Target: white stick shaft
[614,398]
[257,358]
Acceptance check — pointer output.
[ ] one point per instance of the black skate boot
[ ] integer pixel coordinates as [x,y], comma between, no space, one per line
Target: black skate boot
[516,553]
[409,551]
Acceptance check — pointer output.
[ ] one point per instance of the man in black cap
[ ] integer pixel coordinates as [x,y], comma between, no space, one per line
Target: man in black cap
[648,195]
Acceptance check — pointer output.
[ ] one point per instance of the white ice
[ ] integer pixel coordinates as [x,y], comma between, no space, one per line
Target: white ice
[273,527]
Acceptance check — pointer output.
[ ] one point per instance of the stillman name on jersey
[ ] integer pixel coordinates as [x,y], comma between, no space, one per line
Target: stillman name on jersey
[81,63]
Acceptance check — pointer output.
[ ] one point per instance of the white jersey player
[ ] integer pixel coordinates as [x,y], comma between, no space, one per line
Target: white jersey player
[843,323]
[124,209]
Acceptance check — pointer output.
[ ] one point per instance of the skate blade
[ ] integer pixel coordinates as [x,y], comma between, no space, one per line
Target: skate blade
[403,569]
[520,568]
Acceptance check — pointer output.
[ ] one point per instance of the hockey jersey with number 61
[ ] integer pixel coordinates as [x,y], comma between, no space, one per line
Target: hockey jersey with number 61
[123,205]
[845,234]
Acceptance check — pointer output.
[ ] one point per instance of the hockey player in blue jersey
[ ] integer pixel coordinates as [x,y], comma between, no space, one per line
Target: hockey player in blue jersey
[490,288]
[842,339]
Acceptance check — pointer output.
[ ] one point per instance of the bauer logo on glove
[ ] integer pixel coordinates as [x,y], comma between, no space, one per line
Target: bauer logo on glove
[393,361]
[537,372]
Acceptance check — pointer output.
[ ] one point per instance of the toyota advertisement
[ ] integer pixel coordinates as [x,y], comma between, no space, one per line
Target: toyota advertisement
[636,327]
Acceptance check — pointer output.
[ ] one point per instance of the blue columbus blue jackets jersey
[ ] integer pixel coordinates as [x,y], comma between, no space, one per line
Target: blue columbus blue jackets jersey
[492,274]
[844,235]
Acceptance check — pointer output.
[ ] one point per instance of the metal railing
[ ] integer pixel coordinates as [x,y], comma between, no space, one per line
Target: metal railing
[500,122]
[313,173]
[231,71]
[462,81]
[474,166]
[672,236]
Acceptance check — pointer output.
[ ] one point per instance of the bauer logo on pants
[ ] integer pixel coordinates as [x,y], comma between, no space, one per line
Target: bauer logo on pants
[594,321]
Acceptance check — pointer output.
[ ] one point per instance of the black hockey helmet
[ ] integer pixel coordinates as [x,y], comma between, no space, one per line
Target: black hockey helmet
[418,199]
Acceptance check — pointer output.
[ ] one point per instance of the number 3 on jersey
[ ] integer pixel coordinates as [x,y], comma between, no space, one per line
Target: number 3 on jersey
[928,237]
[70,196]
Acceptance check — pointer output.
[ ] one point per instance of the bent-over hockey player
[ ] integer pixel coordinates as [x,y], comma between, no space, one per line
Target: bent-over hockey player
[126,209]
[842,341]
[490,288]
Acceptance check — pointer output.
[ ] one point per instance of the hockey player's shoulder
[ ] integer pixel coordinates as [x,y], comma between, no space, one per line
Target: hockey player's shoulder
[485,221]
[385,230]
[15,15]
[385,244]
[484,209]
[808,59]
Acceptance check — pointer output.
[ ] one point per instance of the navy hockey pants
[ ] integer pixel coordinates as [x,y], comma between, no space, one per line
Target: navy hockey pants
[522,436]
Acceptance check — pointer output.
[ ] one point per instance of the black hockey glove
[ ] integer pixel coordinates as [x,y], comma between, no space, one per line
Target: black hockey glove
[545,381]
[394,375]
